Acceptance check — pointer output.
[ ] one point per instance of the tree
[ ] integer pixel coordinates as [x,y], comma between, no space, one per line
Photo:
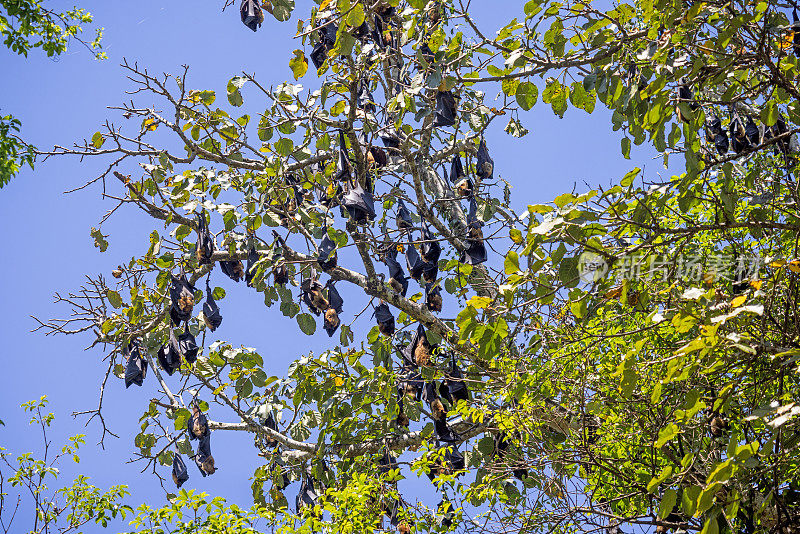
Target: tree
[626,366]
[26,25]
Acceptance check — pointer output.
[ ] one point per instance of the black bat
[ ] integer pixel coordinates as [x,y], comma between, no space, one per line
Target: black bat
[451,462]
[203,459]
[752,133]
[376,157]
[327,40]
[476,249]
[251,13]
[359,202]
[738,135]
[169,355]
[444,433]
[385,319]
[205,242]
[445,113]
[335,302]
[414,262]
[212,317]
[397,278]
[501,445]
[795,33]
[188,345]
[233,269]
[181,294]
[197,424]
[136,369]
[313,296]
[389,136]
[387,462]
[250,272]
[364,98]
[431,396]
[433,298]
[270,423]
[179,472]
[453,387]
[456,169]
[431,250]
[716,135]
[403,218]
[419,350]
[307,495]
[327,257]
[485,166]
[344,170]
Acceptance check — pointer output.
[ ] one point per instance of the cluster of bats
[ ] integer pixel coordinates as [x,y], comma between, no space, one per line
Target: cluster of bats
[743,133]
[356,202]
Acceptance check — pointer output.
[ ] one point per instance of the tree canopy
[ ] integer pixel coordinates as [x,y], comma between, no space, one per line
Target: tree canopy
[27,25]
[622,359]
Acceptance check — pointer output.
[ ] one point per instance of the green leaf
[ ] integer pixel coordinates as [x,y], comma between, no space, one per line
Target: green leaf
[526,95]
[769,113]
[626,147]
[99,239]
[298,64]
[355,17]
[668,501]
[98,140]
[511,263]
[666,434]
[307,323]
[114,299]
[628,179]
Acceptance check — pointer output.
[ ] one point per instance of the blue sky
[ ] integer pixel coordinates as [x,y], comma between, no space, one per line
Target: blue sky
[47,247]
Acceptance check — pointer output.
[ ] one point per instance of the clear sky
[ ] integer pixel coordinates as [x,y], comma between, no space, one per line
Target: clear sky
[47,247]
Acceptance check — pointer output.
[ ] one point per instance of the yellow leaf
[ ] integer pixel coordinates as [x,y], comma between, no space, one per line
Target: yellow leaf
[150,125]
[339,381]
[794,266]
[756,284]
[479,302]
[738,301]
[777,264]
[324,4]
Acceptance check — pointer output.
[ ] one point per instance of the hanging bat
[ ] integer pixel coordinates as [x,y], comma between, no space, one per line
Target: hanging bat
[251,14]
[485,165]
[331,315]
[197,425]
[433,298]
[233,269]
[359,202]
[250,272]
[205,242]
[385,319]
[403,217]
[187,344]
[136,369]
[313,296]
[281,274]
[179,472]
[445,111]
[169,355]
[212,317]
[181,294]
[327,258]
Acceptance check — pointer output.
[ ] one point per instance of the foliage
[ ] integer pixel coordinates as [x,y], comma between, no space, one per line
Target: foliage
[62,510]
[13,151]
[661,392]
[25,25]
